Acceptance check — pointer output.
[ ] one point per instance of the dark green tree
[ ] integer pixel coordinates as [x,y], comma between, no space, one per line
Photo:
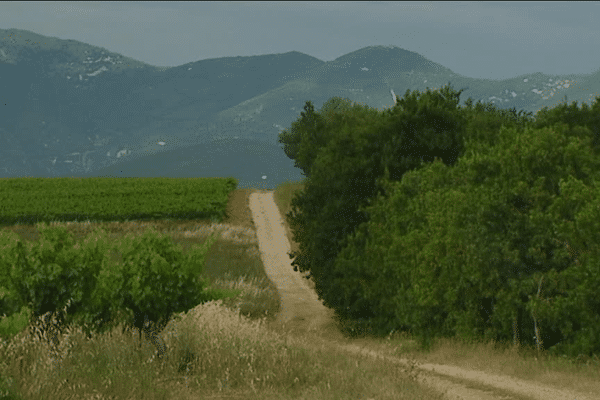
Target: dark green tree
[309,125]
[344,174]
[476,243]
[341,136]
[362,147]
[333,106]
[522,225]
[313,126]
[572,115]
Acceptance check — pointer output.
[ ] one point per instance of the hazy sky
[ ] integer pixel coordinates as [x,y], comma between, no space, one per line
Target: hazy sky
[492,40]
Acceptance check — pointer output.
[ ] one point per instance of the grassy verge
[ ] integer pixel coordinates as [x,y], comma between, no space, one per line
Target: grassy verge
[228,350]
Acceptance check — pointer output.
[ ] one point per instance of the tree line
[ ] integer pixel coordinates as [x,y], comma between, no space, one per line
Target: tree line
[450,221]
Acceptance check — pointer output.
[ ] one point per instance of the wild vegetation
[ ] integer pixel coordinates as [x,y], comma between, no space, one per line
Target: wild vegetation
[232,348]
[219,354]
[456,221]
[225,349]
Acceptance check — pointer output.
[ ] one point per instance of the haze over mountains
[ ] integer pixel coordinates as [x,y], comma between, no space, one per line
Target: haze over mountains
[71,109]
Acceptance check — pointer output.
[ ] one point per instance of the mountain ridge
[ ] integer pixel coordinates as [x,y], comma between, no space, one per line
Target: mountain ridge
[72,109]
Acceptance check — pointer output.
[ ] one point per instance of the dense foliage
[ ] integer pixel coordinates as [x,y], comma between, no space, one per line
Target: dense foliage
[451,221]
[153,280]
[307,132]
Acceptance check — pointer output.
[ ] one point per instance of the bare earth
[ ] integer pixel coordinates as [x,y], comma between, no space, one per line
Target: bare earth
[303,314]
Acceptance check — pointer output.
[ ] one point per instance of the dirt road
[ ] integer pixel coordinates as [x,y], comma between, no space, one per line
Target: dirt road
[302,313]
[301,309]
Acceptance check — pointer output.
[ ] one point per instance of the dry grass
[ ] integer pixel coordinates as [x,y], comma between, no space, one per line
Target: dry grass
[230,350]
[223,349]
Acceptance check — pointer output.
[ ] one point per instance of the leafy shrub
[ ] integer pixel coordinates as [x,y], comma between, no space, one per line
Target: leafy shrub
[45,275]
[153,280]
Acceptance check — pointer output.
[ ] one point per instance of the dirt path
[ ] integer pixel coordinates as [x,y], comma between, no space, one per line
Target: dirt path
[303,314]
[301,309]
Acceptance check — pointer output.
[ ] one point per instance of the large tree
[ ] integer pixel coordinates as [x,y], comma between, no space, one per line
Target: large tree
[310,131]
[307,125]
[333,106]
[361,144]
[462,245]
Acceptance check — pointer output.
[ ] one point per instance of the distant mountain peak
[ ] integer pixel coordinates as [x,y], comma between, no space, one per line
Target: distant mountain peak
[390,57]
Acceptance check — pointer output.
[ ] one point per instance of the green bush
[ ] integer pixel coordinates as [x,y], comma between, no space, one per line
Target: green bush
[14,323]
[153,280]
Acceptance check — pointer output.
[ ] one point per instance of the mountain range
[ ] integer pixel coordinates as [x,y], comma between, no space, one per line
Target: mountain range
[68,108]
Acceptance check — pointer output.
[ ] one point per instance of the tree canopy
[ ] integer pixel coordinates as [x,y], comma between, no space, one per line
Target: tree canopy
[447,220]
